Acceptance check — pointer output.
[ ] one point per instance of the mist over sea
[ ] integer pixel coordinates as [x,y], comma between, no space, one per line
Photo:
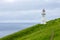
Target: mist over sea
[9,28]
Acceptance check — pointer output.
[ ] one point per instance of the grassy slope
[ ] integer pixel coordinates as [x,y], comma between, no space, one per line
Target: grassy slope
[37,32]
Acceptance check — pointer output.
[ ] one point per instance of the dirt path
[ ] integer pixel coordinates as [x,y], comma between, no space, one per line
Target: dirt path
[52,36]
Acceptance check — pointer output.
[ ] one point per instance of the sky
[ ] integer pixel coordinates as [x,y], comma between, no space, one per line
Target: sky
[28,10]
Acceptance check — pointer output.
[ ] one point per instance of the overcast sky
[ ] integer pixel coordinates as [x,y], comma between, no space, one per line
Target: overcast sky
[28,10]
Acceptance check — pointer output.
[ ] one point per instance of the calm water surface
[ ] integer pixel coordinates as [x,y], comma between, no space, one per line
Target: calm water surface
[9,28]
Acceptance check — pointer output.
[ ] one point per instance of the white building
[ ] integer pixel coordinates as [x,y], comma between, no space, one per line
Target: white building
[43,17]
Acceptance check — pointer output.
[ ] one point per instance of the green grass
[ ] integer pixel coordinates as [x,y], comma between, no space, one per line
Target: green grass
[37,32]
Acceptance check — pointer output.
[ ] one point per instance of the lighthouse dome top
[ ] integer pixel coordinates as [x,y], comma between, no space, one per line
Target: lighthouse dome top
[43,10]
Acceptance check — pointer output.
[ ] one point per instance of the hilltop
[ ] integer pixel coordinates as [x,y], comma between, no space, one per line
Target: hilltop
[48,31]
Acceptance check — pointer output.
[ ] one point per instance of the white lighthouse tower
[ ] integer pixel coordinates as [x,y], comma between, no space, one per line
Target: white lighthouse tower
[43,16]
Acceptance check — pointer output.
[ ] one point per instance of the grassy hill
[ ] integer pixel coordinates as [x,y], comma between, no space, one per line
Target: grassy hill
[49,31]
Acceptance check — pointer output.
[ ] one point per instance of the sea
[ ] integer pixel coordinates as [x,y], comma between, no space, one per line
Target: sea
[10,28]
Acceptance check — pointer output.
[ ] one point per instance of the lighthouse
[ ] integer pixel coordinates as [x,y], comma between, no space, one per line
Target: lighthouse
[43,16]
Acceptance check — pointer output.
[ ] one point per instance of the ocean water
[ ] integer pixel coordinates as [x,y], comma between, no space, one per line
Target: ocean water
[9,28]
